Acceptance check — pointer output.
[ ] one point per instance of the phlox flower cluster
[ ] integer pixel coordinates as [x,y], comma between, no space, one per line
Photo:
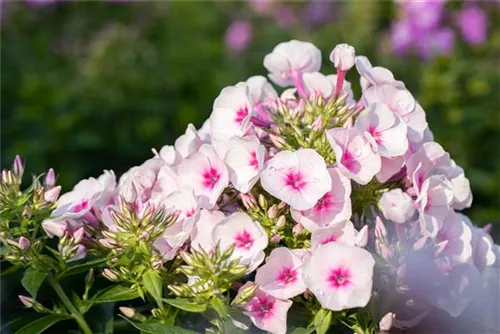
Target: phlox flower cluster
[326,198]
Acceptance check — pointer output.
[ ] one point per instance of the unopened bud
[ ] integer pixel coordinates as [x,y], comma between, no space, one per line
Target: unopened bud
[78,235]
[24,243]
[36,183]
[110,274]
[50,179]
[343,56]
[89,278]
[275,238]
[245,295]
[239,270]
[79,251]
[317,124]
[262,202]
[385,323]
[28,302]
[128,312]
[54,228]
[26,213]
[18,168]
[440,247]
[281,222]
[380,230]
[420,243]
[487,228]
[277,141]
[297,229]
[272,212]
[52,195]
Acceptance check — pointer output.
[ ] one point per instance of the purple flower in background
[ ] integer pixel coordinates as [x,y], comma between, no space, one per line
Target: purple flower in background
[317,11]
[440,42]
[284,16]
[238,35]
[473,24]
[401,36]
[424,14]
[261,6]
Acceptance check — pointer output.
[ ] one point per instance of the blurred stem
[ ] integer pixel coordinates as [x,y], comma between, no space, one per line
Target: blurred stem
[69,305]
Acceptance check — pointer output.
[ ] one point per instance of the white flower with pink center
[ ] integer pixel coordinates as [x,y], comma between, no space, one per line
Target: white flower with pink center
[231,113]
[354,154]
[169,155]
[189,142]
[244,159]
[281,275]
[299,178]
[266,312]
[340,276]
[430,159]
[374,76]
[201,236]
[383,129]
[137,183]
[433,204]
[206,174]
[247,236]
[290,59]
[86,195]
[333,207]
[261,93]
[396,206]
[458,237]
[341,232]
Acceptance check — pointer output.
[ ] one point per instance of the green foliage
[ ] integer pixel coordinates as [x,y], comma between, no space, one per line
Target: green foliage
[33,280]
[40,325]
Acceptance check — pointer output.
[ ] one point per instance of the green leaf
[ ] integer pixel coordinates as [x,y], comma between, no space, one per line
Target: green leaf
[186,305]
[83,267]
[322,321]
[220,307]
[300,330]
[158,328]
[153,284]
[10,270]
[32,280]
[115,293]
[40,325]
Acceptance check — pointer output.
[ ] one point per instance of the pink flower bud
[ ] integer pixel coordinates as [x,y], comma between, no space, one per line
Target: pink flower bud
[342,57]
[54,228]
[107,242]
[385,323]
[487,228]
[127,311]
[24,243]
[50,179]
[81,252]
[110,274]
[27,301]
[297,229]
[281,222]
[78,235]
[52,195]
[18,168]
[275,238]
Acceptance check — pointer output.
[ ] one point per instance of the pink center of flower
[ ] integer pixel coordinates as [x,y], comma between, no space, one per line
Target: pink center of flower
[261,307]
[329,239]
[253,161]
[80,206]
[324,203]
[339,278]
[210,178]
[287,276]
[294,180]
[375,134]
[243,240]
[241,114]
[190,212]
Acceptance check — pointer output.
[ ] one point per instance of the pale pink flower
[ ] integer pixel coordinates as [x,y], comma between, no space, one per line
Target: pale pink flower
[201,236]
[340,276]
[383,129]
[385,323]
[343,56]
[244,159]
[189,142]
[483,251]
[54,227]
[374,76]
[355,157]
[163,248]
[87,194]
[265,311]
[281,275]
[299,178]
[462,194]
[247,236]
[169,155]
[430,159]
[389,168]
[340,232]
[231,113]
[290,59]
[167,181]
[333,207]
[315,83]
[433,203]
[52,194]
[137,183]
[260,90]
[397,206]
[206,174]
[458,236]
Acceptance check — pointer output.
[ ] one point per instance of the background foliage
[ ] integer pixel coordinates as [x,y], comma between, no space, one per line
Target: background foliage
[93,85]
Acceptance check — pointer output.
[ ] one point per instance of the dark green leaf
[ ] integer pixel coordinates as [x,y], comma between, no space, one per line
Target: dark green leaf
[322,321]
[300,330]
[158,328]
[186,305]
[32,280]
[83,267]
[10,270]
[220,307]
[153,284]
[115,293]
[40,325]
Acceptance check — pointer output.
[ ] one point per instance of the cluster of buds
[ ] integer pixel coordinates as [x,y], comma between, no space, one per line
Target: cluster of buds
[70,246]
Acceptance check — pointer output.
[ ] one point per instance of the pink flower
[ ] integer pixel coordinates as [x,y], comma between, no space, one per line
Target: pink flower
[265,311]
[397,206]
[201,236]
[343,56]
[430,159]
[299,178]
[87,194]
[238,35]
[458,236]
[163,248]
[231,113]
[245,160]
[343,232]
[281,275]
[290,59]
[261,93]
[354,155]
[206,174]
[383,129]
[247,236]
[483,247]
[169,155]
[389,168]
[374,76]
[137,183]
[316,83]
[340,276]
[189,142]
[473,24]
[333,207]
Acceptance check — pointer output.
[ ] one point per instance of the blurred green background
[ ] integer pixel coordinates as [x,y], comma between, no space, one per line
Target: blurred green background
[87,86]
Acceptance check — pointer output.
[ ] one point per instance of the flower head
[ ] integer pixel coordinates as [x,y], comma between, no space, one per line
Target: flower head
[397,206]
[343,56]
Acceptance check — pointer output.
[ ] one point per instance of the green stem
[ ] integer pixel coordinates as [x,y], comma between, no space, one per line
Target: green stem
[69,305]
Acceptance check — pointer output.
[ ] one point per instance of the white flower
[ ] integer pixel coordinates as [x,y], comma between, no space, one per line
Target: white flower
[343,56]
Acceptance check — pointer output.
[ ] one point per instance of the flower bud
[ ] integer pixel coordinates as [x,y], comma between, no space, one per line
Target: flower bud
[275,238]
[277,141]
[281,222]
[385,323]
[28,302]
[343,56]
[50,179]
[420,243]
[262,202]
[272,212]
[18,168]
[297,229]
[128,312]
[317,124]
[52,195]
[380,230]
[26,213]
[54,228]
[80,251]
[246,295]
[24,243]
[110,274]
